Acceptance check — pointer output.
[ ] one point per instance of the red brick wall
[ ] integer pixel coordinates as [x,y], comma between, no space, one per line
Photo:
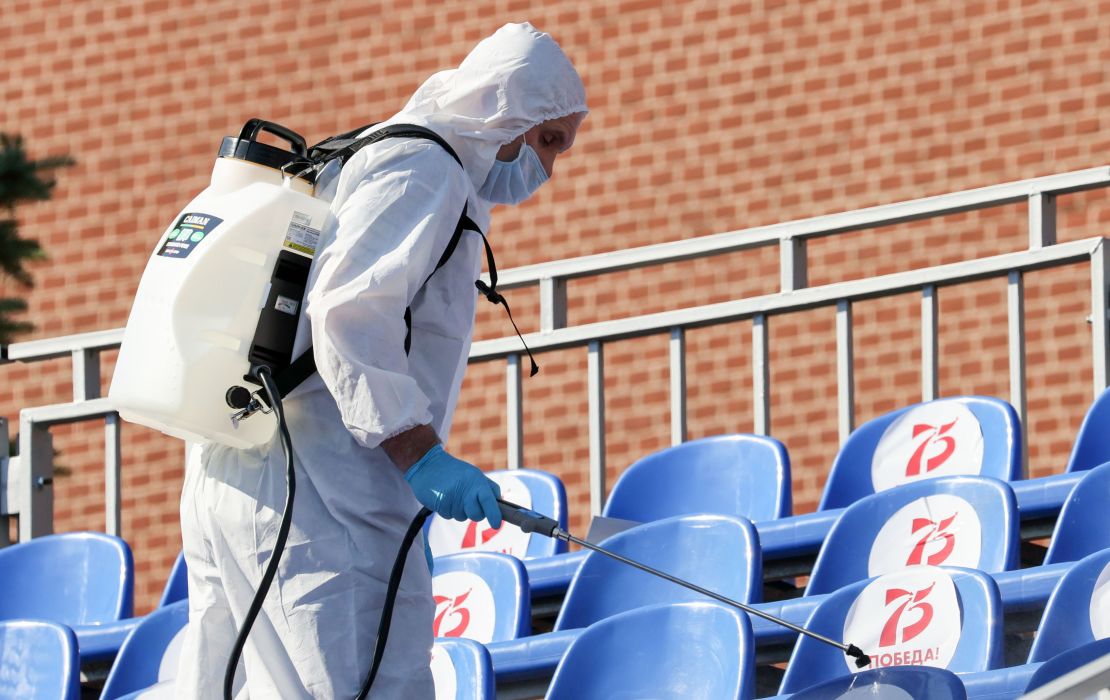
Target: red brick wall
[706,117]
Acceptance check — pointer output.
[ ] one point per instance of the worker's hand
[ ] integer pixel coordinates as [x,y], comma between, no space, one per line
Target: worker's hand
[453,488]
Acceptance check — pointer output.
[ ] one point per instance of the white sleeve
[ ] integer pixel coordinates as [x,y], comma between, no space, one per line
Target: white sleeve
[389,232]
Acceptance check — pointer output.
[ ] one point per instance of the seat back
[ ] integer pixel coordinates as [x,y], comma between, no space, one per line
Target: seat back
[177,584]
[693,649]
[744,475]
[1092,443]
[1067,662]
[150,653]
[76,578]
[912,681]
[1078,611]
[968,521]
[717,552]
[535,490]
[975,435]
[943,617]
[1083,526]
[481,596]
[38,661]
[462,670]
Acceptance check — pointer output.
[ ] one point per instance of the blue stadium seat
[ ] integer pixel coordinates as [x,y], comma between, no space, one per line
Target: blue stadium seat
[481,596]
[687,650]
[1083,526]
[1068,661]
[539,491]
[937,616]
[717,552]
[975,435]
[177,584]
[744,475]
[1079,610]
[150,654]
[78,578]
[913,681]
[1092,443]
[968,521]
[462,670]
[38,661]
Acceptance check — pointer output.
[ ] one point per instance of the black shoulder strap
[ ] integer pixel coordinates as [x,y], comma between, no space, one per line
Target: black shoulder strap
[343,147]
[346,145]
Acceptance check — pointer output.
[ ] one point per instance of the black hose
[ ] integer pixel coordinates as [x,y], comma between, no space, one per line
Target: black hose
[274,396]
[391,597]
[283,532]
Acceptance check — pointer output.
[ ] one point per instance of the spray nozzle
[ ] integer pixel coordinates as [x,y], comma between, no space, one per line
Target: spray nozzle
[857,653]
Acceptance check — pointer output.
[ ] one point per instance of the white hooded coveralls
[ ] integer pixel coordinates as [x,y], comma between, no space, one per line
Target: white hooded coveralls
[395,207]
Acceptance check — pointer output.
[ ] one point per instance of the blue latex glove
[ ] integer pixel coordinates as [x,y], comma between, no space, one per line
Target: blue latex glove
[428,555]
[453,488]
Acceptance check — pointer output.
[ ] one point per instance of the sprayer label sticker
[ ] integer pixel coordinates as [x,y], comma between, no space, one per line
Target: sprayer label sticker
[909,617]
[187,233]
[300,236]
[447,536]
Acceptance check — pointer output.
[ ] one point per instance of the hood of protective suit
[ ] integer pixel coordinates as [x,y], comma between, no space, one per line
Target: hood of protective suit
[511,81]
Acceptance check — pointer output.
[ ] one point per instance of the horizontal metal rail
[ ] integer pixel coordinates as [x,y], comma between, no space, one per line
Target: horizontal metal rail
[800,300]
[1034,190]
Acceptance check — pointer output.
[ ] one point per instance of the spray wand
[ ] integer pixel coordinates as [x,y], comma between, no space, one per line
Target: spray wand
[531,521]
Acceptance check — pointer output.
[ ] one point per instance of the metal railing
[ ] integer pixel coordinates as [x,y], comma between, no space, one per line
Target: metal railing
[25,483]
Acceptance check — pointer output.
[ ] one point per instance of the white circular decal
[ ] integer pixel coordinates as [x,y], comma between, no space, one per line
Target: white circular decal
[909,617]
[464,607]
[935,439]
[933,530]
[443,674]
[448,536]
[1100,605]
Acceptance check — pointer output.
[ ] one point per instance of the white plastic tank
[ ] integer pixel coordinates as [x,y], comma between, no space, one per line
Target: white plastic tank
[199,300]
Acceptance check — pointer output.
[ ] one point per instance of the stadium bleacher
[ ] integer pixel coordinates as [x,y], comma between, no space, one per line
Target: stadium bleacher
[923,550]
[874,545]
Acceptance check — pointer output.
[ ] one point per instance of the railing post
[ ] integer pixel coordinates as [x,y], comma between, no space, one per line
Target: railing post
[86,375]
[113,513]
[553,304]
[1015,312]
[596,388]
[8,495]
[930,386]
[792,264]
[845,371]
[1100,327]
[678,386]
[1042,220]
[36,480]
[761,377]
[514,414]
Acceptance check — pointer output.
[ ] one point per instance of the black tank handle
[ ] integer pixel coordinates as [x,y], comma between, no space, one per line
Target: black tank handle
[253,126]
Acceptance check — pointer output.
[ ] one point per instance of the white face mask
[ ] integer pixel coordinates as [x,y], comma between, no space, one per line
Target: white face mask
[512,182]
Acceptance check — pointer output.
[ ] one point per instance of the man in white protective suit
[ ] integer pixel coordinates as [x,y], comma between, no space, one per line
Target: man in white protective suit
[367,428]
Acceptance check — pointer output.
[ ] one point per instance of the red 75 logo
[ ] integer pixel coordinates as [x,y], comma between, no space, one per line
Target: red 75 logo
[451,609]
[471,536]
[933,532]
[913,601]
[933,434]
